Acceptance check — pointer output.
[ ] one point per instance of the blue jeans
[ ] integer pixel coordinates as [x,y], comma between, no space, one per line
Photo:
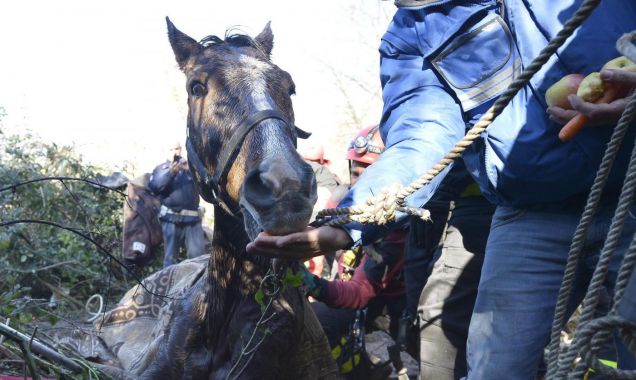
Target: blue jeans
[521,276]
[176,235]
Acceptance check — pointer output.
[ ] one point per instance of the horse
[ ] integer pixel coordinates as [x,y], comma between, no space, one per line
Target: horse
[241,148]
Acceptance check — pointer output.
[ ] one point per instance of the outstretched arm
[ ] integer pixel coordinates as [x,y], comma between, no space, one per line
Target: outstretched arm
[421,122]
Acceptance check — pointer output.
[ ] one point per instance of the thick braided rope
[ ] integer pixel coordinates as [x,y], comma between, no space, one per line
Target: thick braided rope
[611,243]
[590,347]
[581,230]
[588,334]
[334,217]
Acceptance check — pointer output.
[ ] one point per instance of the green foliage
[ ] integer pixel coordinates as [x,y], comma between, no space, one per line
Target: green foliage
[258,297]
[39,260]
[293,279]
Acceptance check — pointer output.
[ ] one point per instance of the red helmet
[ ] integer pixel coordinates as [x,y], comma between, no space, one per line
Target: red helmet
[366,146]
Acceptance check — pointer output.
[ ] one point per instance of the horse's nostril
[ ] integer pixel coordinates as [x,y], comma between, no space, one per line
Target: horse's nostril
[272,183]
[260,188]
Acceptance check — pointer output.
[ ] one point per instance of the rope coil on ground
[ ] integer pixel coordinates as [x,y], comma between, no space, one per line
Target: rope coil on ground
[338,217]
[94,314]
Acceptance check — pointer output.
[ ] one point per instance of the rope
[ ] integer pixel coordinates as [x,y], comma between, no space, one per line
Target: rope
[381,209]
[588,335]
[270,285]
[578,240]
[591,345]
[611,243]
[100,309]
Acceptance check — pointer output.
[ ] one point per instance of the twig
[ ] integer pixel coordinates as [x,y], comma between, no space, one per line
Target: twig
[34,270]
[38,348]
[56,290]
[6,322]
[95,243]
[35,330]
[16,185]
[28,358]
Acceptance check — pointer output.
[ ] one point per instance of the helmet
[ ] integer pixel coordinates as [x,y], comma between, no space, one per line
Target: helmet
[366,146]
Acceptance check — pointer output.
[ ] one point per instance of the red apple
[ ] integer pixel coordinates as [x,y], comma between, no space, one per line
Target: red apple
[557,94]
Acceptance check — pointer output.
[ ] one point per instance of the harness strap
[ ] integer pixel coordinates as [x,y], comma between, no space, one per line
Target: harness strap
[232,147]
[209,190]
[212,183]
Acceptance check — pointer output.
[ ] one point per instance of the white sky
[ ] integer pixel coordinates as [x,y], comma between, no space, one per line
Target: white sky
[102,75]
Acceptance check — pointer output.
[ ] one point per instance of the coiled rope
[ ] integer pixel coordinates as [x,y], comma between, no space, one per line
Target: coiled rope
[381,209]
[560,364]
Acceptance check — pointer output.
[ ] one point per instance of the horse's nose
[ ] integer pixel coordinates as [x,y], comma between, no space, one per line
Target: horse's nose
[265,185]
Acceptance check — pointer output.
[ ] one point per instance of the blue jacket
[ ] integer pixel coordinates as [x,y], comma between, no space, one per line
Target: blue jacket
[444,62]
[176,191]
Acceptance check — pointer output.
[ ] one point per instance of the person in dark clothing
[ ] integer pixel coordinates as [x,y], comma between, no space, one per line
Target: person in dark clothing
[444,257]
[179,215]
[369,287]
[448,297]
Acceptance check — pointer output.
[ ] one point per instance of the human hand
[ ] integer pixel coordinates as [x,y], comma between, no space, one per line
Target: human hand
[178,165]
[598,113]
[300,245]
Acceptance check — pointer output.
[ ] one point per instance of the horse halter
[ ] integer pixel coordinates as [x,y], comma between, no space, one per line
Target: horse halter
[210,188]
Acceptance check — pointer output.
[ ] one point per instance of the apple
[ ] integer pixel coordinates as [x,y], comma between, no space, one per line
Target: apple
[557,94]
[591,87]
[620,63]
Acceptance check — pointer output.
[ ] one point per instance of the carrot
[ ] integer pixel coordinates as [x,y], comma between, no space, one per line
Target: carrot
[577,123]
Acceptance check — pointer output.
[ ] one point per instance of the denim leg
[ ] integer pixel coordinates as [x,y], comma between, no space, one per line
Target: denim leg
[171,242]
[521,277]
[194,239]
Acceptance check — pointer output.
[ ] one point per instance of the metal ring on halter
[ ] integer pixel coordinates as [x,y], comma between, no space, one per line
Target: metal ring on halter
[271,285]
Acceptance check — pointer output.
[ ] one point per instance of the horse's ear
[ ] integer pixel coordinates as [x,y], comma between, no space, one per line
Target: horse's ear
[183,45]
[266,39]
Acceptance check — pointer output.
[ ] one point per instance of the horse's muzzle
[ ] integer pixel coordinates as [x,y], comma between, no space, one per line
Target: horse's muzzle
[279,195]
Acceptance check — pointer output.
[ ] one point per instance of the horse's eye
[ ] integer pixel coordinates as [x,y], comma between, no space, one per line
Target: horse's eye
[197,89]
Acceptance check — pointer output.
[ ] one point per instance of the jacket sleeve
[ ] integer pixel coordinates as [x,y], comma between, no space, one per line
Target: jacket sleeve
[353,294]
[160,179]
[421,122]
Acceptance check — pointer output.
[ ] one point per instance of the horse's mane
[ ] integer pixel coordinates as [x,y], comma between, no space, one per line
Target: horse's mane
[233,37]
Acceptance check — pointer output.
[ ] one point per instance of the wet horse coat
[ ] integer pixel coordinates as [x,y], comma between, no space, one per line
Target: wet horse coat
[261,183]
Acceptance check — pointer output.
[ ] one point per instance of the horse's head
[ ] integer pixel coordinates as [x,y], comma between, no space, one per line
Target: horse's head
[241,134]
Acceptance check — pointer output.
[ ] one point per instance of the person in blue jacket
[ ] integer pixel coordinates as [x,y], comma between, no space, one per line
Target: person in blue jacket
[443,63]
[179,213]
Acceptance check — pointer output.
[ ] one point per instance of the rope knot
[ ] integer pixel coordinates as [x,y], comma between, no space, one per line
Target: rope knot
[378,210]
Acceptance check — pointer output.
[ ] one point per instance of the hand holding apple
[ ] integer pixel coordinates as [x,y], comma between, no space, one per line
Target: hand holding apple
[599,99]
[591,88]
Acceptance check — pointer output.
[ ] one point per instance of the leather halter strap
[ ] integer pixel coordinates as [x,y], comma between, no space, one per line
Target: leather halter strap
[210,184]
